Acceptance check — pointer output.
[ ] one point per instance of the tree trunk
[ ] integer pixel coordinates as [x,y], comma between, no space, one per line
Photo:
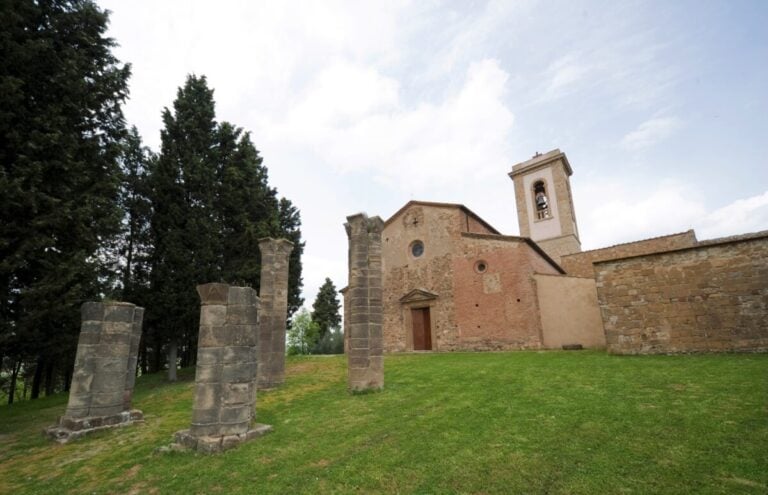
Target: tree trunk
[143,361]
[173,349]
[157,357]
[38,378]
[12,386]
[49,377]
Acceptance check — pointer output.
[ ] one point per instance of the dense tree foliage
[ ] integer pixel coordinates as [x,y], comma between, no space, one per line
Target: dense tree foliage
[303,334]
[211,204]
[290,228]
[88,212]
[61,126]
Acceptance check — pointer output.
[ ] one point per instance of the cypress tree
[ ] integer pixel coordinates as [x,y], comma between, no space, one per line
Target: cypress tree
[61,91]
[325,309]
[135,242]
[211,203]
[290,228]
[183,221]
[247,206]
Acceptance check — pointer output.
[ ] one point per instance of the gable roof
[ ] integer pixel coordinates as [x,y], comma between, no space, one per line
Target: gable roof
[442,205]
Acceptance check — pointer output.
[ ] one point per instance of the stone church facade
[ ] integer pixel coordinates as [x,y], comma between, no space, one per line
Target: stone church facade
[453,282]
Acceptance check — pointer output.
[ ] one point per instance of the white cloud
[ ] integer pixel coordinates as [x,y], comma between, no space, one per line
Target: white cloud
[620,212]
[563,76]
[739,217]
[650,132]
[354,119]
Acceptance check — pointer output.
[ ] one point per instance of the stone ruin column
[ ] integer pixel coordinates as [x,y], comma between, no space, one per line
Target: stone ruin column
[365,355]
[105,371]
[273,311]
[225,380]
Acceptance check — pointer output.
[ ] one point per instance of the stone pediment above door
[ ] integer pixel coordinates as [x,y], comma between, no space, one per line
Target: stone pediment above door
[418,295]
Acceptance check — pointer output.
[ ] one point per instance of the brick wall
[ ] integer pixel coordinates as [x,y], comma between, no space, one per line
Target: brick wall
[711,297]
[580,264]
[496,309]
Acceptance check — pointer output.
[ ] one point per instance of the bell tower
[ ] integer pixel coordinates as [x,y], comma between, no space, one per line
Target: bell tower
[545,205]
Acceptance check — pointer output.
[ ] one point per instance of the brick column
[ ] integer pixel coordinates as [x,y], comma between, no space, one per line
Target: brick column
[364,294]
[105,371]
[225,380]
[274,310]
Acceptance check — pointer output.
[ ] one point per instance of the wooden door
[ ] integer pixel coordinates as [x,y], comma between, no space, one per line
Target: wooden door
[422,331]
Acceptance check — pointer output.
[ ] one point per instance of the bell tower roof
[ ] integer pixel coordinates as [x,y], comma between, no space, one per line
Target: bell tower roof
[539,161]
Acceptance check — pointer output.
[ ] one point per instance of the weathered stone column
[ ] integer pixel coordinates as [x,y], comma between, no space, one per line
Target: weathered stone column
[225,380]
[105,371]
[273,311]
[365,355]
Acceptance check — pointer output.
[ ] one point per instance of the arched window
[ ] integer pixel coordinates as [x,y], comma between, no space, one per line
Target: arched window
[541,200]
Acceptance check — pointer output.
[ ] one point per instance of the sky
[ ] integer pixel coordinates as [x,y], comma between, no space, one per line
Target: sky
[661,107]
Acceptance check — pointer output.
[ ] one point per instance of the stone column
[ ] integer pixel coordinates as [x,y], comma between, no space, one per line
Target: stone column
[105,371]
[273,311]
[364,294]
[225,380]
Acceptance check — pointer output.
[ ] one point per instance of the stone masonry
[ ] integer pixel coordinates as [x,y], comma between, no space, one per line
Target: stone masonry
[580,264]
[225,380]
[712,297]
[273,310]
[105,371]
[365,357]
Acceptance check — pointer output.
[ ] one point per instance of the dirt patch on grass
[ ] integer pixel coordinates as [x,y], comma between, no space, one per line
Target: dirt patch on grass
[745,482]
[131,473]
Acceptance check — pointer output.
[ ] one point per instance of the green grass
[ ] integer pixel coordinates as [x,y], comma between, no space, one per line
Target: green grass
[521,422]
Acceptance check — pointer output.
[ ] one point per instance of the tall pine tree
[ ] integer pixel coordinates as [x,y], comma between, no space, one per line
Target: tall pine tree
[61,91]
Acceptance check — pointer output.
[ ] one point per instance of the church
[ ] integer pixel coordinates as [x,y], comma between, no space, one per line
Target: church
[452,282]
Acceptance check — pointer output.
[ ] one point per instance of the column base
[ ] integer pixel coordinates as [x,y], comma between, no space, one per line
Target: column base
[74,428]
[213,444]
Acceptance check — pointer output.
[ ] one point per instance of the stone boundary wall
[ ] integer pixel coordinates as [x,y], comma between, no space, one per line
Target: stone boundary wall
[580,264]
[710,297]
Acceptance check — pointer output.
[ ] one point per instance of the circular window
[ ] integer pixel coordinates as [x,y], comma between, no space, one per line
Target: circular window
[417,248]
[481,266]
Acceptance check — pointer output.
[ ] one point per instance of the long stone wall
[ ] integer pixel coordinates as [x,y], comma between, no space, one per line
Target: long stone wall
[365,357]
[580,264]
[105,371]
[711,297]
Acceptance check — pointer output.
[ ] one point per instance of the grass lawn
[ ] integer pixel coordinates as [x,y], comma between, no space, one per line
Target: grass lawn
[519,422]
